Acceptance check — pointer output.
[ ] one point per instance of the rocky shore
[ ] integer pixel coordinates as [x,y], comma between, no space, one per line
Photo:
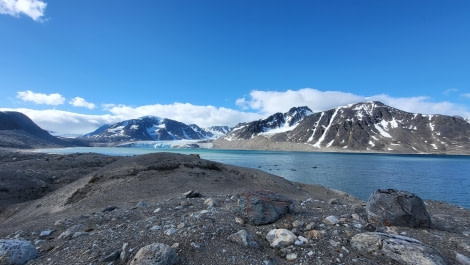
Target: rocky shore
[167,208]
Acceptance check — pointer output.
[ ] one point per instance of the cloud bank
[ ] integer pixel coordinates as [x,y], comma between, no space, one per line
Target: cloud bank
[259,104]
[32,8]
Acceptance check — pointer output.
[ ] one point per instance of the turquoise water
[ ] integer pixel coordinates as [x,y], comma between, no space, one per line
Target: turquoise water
[435,177]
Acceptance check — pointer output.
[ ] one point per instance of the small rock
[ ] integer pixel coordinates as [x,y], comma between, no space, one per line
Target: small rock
[291,256]
[155,254]
[369,227]
[334,201]
[67,234]
[157,210]
[239,220]
[156,227]
[301,240]
[314,234]
[110,208]
[124,252]
[170,231]
[331,220]
[45,233]
[112,257]
[210,202]
[79,234]
[141,204]
[16,251]
[243,238]
[278,238]
[192,194]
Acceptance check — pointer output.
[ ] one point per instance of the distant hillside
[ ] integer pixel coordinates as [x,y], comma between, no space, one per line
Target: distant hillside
[369,126]
[19,131]
[151,128]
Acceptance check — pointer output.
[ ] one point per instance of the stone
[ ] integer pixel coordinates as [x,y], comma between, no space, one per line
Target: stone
[279,238]
[16,251]
[124,255]
[67,234]
[301,240]
[404,250]
[192,194]
[291,256]
[210,202]
[45,233]
[170,231]
[331,220]
[155,254]
[397,208]
[263,206]
[314,234]
[110,208]
[243,238]
[112,257]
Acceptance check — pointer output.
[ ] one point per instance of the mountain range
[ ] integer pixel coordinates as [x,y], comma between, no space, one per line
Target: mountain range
[151,128]
[370,126]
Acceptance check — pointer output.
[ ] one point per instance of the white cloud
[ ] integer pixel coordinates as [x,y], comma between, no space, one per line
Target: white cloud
[467,95]
[269,102]
[39,98]
[32,8]
[65,122]
[81,102]
[203,116]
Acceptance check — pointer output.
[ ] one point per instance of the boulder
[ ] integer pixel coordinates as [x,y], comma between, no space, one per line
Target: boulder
[263,206]
[279,238]
[404,250]
[243,238]
[155,254]
[398,208]
[16,251]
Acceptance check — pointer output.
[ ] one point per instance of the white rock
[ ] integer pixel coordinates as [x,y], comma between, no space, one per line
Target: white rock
[301,240]
[280,238]
[331,220]
[210,202]
[291,256]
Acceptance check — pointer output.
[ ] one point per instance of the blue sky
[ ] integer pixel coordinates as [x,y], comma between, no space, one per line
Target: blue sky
[74,65]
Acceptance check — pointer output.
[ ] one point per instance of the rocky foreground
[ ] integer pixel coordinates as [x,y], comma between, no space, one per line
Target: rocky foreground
[168,208]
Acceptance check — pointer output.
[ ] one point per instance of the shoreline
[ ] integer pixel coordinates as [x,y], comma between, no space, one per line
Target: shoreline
[145,193]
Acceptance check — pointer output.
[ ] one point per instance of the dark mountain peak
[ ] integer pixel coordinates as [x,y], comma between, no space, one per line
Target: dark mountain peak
[18,131]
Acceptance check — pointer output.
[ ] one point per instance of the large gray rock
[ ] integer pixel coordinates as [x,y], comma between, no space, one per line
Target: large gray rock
[398,208]
[16,251]
[155,254]
[263,206]
[404,250]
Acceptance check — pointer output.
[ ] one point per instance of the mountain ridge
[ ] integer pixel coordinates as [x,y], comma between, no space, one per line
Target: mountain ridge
[367,126]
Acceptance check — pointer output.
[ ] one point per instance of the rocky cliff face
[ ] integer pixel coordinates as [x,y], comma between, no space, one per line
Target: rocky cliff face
[369,126]
[276,123]
[19,131]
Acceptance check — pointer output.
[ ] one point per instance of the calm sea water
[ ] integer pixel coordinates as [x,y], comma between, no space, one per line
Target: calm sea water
[435,177]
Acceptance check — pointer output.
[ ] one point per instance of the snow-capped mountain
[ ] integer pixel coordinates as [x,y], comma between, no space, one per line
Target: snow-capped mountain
[276,123]
[370,126]
[149,128]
